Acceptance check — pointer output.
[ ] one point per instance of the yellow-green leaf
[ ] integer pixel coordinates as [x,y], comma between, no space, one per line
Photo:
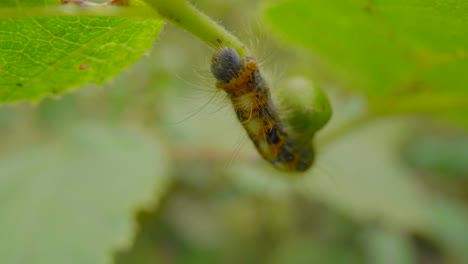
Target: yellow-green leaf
[382,46]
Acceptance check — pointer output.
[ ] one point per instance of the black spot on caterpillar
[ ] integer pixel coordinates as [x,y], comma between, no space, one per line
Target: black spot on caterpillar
[250,96]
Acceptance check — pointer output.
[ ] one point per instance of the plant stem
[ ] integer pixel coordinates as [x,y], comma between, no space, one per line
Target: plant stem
[186,16]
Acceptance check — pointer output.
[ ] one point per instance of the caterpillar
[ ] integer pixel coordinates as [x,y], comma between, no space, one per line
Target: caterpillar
[250,96]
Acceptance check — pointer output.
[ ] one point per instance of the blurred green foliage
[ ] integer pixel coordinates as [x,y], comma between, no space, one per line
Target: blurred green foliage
[74,169]
[384,46]
[53,194]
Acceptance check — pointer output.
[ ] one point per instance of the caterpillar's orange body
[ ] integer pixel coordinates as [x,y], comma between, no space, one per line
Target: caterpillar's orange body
[250,96]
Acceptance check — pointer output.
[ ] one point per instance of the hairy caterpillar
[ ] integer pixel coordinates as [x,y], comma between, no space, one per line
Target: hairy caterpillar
[250,96]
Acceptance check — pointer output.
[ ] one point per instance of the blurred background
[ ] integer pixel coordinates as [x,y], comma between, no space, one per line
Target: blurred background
[391,189]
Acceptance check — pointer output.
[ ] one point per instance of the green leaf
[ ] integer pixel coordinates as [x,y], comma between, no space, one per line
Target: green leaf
[73,200]
[449,220]
[361,174]
[44,55]
[446,156]
[28,3]
[388,246]
[382,46]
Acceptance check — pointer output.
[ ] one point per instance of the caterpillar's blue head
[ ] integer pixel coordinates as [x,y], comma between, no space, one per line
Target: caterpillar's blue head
[226,64]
